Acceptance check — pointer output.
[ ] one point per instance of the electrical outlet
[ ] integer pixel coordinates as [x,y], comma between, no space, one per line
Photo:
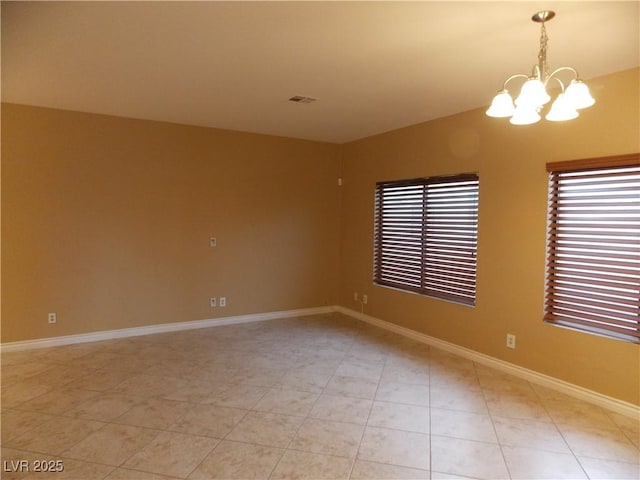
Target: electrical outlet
[511,340]
[223,301]
[212,302]
[212,242]
[355,296]
[52,318]
[365,299]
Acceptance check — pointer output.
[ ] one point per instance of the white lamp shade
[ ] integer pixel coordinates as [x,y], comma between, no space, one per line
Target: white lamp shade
[578,95]
[501,106]
[525,116]
[561,110]
[533,94]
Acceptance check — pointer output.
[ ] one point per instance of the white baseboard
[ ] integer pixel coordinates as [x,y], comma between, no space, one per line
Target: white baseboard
[158,328]
[610,403]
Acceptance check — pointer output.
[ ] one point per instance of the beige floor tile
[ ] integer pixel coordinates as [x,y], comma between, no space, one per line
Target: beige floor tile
[403,374]
[363,470]
[448,476]
[630,427]
[623,421]
[441,359]
[171,368]
[277,362]
[399,416]
[128,474]
[58,401]
[66,355]
[173,454]
[571,411]
[469,426]
[61,378]
[218,389]
[459,398]
[409,354]
[154,413]
[55,436]
[20,357]
[19,464]
[77,470]
[467,458]
[111,445]
[303,465]
[516,404]
[395,447]
[213,374]
[451,377]
[342,409]
[352,387]
[266,429]
[22,371]
[375,354]
[546,393]
[107,406]
[492,379]
[600,443]
[288,402]
[97,360]
[14,395]
[330,438]
[305,379]
[397,392]
[238,396]
[144,386]
[527,463]
[322,360]
[102,380]
[132,365]
[598,469]
[516,432]
[258,376]
[209,420]
[242,461]
[360,368]
[16,422]
[190,390]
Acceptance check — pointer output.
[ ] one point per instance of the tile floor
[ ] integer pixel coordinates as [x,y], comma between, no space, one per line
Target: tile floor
[315,397]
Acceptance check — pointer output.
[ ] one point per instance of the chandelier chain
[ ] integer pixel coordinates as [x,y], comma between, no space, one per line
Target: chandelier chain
[542,54]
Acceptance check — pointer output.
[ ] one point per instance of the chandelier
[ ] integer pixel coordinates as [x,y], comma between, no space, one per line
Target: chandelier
[533,94]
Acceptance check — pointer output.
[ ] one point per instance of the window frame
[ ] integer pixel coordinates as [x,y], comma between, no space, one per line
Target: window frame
[449,243]
[585,289]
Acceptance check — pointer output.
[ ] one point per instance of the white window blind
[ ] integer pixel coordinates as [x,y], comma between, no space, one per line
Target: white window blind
[593,246]
[426,235]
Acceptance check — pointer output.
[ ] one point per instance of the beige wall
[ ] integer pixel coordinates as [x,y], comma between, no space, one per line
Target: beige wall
[512,220]
[106,221]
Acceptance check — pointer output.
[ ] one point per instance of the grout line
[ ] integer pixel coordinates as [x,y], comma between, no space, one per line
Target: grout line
[364,427]
[493,425]
[366,423]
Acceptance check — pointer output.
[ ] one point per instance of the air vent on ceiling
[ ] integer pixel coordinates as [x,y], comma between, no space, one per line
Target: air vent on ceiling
[301,99]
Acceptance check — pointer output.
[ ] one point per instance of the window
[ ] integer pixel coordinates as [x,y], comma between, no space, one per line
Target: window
[593,246]
[426,236]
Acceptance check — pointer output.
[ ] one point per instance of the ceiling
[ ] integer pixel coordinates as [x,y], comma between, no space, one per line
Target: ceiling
[372,66]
